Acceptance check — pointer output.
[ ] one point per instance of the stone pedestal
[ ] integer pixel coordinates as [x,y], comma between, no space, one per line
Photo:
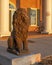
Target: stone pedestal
[11,59]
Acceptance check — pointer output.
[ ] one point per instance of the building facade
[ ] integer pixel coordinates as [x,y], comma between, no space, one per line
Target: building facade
[39,12]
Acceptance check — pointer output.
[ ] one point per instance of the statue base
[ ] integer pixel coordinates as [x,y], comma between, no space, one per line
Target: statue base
[23,52]
[7,58]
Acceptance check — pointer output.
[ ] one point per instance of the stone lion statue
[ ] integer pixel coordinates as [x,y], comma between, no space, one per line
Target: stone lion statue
[17,42]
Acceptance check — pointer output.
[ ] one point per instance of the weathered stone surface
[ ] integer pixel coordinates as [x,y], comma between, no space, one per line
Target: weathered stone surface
[47,60]
[18,39]
[11,59]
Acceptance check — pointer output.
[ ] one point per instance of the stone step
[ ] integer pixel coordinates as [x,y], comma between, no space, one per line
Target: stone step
[11,59]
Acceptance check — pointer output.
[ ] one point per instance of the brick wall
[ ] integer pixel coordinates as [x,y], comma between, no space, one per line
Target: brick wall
[28,3]
[13,1]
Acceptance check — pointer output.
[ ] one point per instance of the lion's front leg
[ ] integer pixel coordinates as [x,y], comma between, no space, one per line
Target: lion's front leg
[10,42]
[11,45]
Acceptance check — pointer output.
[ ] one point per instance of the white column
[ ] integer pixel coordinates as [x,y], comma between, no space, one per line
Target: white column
[51,16]
[47,16]
[4,20]
[0,18]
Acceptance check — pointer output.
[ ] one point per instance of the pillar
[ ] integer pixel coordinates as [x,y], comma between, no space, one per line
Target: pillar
[0,18]
[4,18]
[41,11]
[47,16]
[18,3]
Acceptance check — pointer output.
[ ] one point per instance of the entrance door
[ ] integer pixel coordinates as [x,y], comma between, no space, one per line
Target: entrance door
[33,17]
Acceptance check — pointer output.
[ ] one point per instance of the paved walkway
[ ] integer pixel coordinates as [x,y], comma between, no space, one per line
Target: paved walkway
[41,45]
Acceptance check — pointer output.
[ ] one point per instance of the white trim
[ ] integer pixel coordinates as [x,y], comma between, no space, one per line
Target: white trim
[12,4]
[12,9]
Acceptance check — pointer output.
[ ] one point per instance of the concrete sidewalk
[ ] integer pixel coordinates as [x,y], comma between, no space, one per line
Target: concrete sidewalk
[41,45]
